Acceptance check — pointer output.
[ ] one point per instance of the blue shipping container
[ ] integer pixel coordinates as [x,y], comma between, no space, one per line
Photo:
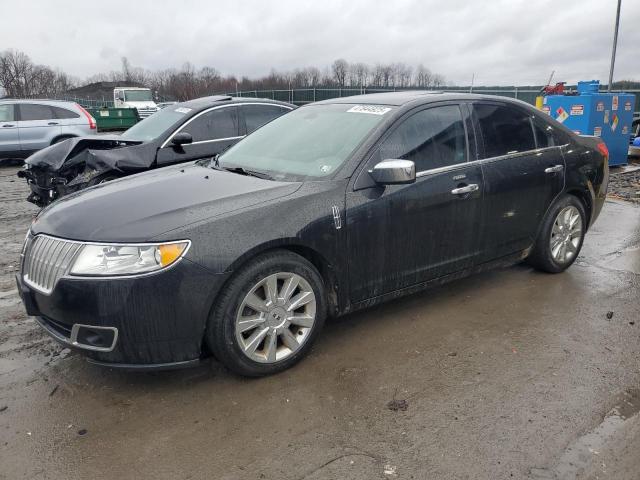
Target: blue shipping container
[605,115]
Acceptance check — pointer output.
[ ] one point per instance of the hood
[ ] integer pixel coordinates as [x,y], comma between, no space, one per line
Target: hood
[141,207]
[53,158]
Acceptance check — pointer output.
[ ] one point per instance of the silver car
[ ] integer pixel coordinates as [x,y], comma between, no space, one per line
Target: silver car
[29,125]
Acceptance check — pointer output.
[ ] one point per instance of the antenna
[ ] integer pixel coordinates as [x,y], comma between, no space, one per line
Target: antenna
[473,76]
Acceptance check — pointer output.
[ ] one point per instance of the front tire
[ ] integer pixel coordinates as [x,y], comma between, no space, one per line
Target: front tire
[268,315]
[561,236]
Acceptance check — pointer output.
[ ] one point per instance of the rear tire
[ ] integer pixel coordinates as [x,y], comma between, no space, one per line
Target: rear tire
[268,315]
[561,236]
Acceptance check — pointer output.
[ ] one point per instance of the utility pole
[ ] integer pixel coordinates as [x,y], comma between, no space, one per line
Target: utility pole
[615,43]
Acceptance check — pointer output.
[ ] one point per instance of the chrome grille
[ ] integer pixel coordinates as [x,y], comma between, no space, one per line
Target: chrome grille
[46,259]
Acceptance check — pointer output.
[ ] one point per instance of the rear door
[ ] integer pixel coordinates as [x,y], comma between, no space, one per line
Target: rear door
[255,115]
[402,235]
[38,126]
[213,131]
[521,178]
[9,136]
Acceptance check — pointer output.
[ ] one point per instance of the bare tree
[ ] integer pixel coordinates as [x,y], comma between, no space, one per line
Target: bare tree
[339,70]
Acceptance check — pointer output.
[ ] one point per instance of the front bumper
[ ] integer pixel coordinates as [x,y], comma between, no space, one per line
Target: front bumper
[153,321]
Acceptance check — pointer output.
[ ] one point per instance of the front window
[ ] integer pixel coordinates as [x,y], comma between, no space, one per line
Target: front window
[311,142]
[152,127]
[138,96]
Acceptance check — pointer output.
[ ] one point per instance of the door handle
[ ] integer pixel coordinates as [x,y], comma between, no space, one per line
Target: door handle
[554,169]
[466,189]
[52,123]
[7,125]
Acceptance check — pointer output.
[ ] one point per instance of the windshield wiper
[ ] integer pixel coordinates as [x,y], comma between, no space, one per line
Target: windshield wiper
[250,173]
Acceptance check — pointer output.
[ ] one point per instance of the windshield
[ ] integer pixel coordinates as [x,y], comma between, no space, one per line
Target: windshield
[155,125]
[311,142]
[137,96]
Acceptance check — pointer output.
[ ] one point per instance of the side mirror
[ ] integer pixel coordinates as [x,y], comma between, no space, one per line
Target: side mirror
[394,172]
[182,138]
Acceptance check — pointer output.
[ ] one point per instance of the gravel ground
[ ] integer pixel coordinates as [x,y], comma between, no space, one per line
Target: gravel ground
[624,183]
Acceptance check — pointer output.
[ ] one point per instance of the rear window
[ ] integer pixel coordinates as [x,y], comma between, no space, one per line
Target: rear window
[33,111]
[64,113]
[505,130]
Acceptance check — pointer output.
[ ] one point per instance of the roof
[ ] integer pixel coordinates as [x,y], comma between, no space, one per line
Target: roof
[44,101]
[411,96]
[204,102]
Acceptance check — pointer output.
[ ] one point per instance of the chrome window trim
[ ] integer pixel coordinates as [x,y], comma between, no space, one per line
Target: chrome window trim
[177,130]
[216,140]
[457,166]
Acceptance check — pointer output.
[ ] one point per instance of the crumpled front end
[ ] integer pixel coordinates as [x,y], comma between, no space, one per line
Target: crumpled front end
[77,163]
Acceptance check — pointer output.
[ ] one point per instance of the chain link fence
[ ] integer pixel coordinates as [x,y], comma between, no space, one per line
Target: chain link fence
[302,96]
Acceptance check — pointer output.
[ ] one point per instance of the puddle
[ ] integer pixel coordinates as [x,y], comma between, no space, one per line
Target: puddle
[585,450]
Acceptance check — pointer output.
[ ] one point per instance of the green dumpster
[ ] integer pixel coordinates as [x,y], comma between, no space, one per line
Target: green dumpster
[114,118]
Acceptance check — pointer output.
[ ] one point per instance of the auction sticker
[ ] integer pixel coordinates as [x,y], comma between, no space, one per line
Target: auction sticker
[614,103]
[600,107]
[562,115]
[182,110]
[597,132]
[371,109]
[627,106]
[576,110]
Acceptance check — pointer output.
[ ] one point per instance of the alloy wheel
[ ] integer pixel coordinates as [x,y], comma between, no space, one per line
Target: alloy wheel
[566,235]
[276,317]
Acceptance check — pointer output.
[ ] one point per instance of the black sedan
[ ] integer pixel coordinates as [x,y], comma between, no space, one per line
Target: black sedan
[181,132]
[336,206]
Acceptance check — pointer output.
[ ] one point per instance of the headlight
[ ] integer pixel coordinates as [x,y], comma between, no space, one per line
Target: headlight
[120,259]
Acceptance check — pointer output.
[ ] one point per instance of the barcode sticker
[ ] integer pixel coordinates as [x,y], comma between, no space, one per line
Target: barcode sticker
[372,109]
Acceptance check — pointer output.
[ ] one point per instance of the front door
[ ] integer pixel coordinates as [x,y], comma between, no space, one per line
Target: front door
[402,235]
[522,178]
[213,131]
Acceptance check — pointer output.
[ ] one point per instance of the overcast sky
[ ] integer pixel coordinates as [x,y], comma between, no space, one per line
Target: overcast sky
[503,41]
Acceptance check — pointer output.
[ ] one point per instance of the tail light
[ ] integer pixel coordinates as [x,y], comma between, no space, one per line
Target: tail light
[602,148]
[92,121]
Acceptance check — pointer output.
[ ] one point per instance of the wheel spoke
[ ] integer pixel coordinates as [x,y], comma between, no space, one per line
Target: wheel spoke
[270,347]
[271,290]
[299,300]
[563,252]
[289,286]
[247,323]
[555,251]
[289,339]
[571,247]
[255,302]
[301,320]
[254,340]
